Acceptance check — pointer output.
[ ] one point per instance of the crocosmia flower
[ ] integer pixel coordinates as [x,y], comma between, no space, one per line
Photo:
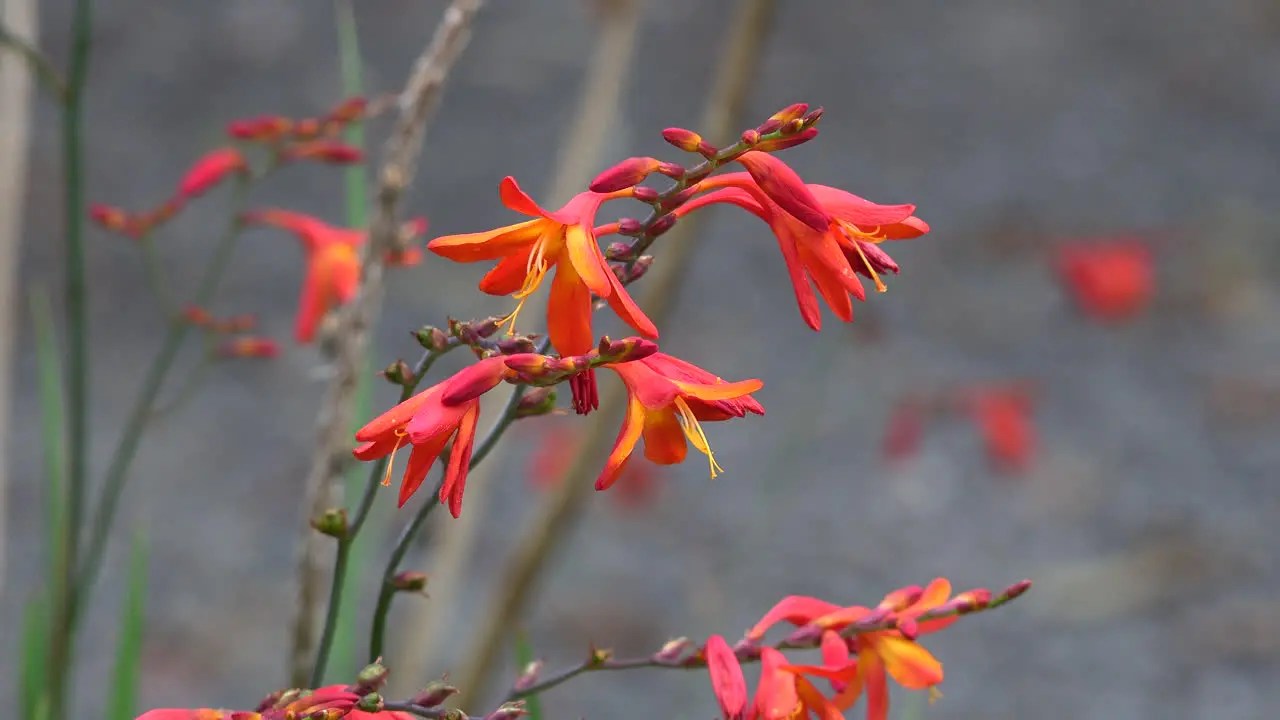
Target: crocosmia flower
[1111,281]
[333,263]
[211,170]
[667,400]
[563,241]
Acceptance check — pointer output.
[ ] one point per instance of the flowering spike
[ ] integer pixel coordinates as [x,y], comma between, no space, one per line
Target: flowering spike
[626,174]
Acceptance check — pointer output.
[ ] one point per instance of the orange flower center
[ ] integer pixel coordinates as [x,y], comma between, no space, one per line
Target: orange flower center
[535,270]
[854,234]
[697,438]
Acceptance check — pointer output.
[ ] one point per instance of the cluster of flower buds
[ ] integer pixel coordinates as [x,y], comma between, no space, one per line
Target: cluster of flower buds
[272,129]
[239,344]
[545,370]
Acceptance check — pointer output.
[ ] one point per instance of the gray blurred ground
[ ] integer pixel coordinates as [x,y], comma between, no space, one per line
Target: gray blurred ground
[1150,514]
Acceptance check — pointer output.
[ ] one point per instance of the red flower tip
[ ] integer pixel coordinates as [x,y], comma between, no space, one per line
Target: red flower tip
[787,141]
[727,680]
[626,174]
[475,380]
[785,187]
[407,257]
[197,316]
[1003,415]
[348,110]
[790,112]
[210,170]
[1016,590]
[586,394]
[1110,281]
[904,430]
[250,347]
[115,220]
[266,128]
[332,152]
[686,140]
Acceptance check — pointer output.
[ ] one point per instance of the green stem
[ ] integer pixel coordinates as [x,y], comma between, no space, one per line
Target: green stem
[161,365]
[377,640]
[77,319]
[190,387]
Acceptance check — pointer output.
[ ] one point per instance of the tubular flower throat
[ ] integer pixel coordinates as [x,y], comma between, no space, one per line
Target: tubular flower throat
[333,263]
[563,240]
[667,400]
[829,259]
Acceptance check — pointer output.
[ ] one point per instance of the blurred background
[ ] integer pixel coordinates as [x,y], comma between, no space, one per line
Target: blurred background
[1073,379]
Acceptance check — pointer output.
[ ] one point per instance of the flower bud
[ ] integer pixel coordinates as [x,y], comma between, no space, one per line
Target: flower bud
[535,402]
[332,523]
[453,714]
[370,703]
[618,251]
[675,171]
[516,345]
[508,711]
[707,151]
[792,127]
[909,628]
[410,581]
[210,170]
[487,327]
[771,125]
[686,140]
[661,225]
[672,650]
[599,656]
[528,676]
[638,268]
[265,128]
[750,138]
[236,324]
[398,373]
[644,194]
[348,110]
[250,347]
[332,152]
[435,693]
[307,129]
[431,338]
[812,117]
[680,198]
[276,699]
[789,113]
[115,220]
[630,226]
[1015,590]
[902,598]
[372,677]
[197,316]
[628,173]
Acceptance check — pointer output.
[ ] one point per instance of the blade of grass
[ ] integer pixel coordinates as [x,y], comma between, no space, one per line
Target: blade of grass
[35,651]
[50,390]
[124,680]
[524,656]
[343,655]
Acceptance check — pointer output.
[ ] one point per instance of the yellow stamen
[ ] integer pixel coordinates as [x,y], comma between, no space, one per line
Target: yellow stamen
[854,234]
[697,438]
[401,434]
[535,270]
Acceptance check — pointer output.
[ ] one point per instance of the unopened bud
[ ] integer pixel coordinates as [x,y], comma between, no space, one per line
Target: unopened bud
[672,650]
[332,523]
[618,251]
[326,151]
[488,326]
[639,268]
[535,402]
[644,194]
[750,138]
[370,703]
[508,711]
[661,225]
[628,173]
[431,338]
[1015,590]
[680,198]
[528,676]
[769,126]
[971,601]
[675,171]
[348,110]
[516,345]
[788,141]
[686,140]
[398,373]
[410,581]
[902,598]
[812,117]
[372,677]
[599,656]
[707,151]
[790,112]
[909,628]
[307,129]
[276,699]
[792,127]
[435,693]
[630,226]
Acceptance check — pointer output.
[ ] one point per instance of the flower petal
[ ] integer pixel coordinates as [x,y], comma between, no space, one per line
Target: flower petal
[776,697]
[398,416]
[805,297]
[876,685]
[311,307]
[435,418]
[664,441]
[727,680]
[720,391]
[795,609]
[507,277]
[490,244]
[625,307]
[910,664]
[815,702]
[569,313]
[421,458]
[846,206]
[583,252]
[935,593]
[654,391]
[628,436]
[784,187]
[516,199]
[474,380]
[455,476]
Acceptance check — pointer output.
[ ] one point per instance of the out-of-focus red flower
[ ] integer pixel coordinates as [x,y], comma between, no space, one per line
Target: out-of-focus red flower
[211,170]
[334,152]
[904,430]
[357,714]
[667,398]
[560,444]
[784,691]
[250,347]
[1111,281]
[727,680]
[198,316]
[115,220]
[1003,415]
[265,128]
[333,263]
[832,258]
[427,421]
[881,653]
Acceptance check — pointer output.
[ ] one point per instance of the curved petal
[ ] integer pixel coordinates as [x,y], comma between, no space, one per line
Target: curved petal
[396,417]
[815,702]
[516,199]
[654,391]
[935,593]
[805,296]
[569,313]
[421,458]
[310,231]
[727,681]
[784,187]
[455,476]
[835,653]
[476,379]
[508,276]
[857,210]
[375,449]
[908,663]
[732,195]
[490,244]
[664,441]
[628,436]
[795,609]
[311,307]
[343,266]
[876,685]
[776,697]
[625,307]
[583,252]
[435,418]
[719,391]
[912,227]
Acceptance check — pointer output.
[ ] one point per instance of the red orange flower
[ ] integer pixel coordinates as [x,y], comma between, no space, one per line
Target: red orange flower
[830,259]
[667,398]
[250,347]
[784,692]
[1110,281]
[879,654]
[527,251]
[211,170]
[333,264]
[1003,414]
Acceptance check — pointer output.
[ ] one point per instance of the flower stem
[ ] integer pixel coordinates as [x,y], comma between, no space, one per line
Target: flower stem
[77,319]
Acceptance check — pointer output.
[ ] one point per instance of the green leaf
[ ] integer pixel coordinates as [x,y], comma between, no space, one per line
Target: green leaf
[524,656]
[32,704]
[124,681]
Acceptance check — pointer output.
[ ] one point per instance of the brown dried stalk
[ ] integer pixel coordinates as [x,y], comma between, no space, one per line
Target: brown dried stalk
[555,517]
[420,97]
